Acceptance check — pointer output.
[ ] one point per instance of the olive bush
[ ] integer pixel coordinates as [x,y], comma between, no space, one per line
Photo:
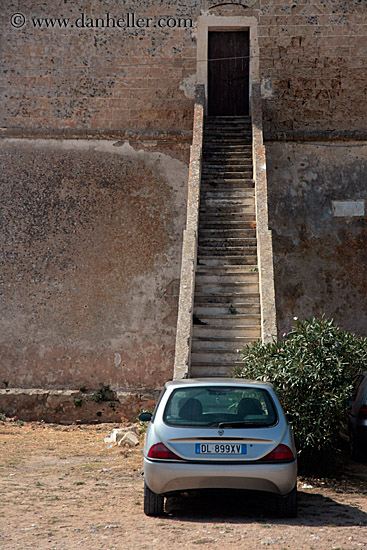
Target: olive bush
[312,371]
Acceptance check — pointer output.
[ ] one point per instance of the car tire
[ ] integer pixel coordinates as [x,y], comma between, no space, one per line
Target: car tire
[153,503]
[287,505]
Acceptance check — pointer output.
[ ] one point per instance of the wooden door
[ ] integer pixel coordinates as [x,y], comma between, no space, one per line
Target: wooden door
[228,73]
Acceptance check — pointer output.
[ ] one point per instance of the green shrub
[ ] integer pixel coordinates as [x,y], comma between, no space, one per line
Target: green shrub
[312,372]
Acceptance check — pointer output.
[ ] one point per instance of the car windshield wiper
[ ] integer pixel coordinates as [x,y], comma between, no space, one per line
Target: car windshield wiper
[242,424]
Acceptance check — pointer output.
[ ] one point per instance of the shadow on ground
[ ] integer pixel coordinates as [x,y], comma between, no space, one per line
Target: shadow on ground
[314,509]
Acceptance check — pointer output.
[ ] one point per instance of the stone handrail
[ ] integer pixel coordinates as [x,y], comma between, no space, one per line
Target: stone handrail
[189,247]
[263,234]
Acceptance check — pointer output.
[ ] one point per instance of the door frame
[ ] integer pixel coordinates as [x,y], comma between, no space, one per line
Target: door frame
[207,23]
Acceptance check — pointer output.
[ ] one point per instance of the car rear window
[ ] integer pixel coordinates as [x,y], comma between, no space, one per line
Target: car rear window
[214,405]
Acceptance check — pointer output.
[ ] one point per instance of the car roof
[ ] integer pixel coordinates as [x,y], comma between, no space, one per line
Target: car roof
[217,382]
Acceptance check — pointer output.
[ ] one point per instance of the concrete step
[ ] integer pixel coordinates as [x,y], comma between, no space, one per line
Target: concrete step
[235,194]
[236,297]
[226,277]
[226,233]
[237,136]
[227,151]
[226,331]
[222,195]
[214,218]
[220,170]
[208,302]
[227,269]
[225,183]
[228,155]
[226,122]
[226,193]
[226,217]
[228,201]
[228,320]
[227,207]
[222,143]
[244,259]
[229,118]
[227,164]
[238,251]
[226,289]
[225,147]
[214,121]
[227,126]
[228,344]
[223,243]
[225,308]
[233,243]
[205,370]
[216,225]
[226,132]
[227,174]
[230,210]
[215,356]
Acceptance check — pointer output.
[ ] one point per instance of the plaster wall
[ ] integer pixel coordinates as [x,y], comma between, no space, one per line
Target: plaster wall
[90,256]
[320,256]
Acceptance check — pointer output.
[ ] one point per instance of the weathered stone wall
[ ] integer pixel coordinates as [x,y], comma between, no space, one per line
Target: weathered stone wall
[93,227]
[89,76]
[313,66]
[91,250]
[138,70]
[320,258]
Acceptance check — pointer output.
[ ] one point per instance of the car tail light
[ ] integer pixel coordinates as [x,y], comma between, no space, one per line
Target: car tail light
[160,451]
[281,452]
[363,412]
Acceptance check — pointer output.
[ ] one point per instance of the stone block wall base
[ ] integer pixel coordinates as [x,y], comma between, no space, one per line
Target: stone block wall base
[69,406]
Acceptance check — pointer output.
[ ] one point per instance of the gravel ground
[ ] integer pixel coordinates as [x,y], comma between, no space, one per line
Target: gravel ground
[62,488]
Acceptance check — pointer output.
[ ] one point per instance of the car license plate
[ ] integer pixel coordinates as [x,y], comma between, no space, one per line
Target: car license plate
[220,449]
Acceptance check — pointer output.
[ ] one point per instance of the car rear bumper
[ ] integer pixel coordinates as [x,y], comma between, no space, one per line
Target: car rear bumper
[166,477]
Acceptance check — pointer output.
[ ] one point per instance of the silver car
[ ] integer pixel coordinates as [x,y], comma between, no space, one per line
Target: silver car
[219,433]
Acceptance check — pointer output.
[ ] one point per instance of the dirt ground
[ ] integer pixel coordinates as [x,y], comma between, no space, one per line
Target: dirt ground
[62,488]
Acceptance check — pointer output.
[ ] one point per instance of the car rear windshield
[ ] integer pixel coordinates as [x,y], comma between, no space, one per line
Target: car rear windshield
[220,406]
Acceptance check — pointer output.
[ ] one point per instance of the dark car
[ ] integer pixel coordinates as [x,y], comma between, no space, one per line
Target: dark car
[357,420]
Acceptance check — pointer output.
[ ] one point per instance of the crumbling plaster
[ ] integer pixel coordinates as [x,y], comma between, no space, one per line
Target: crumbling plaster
[320,259]
[90,263]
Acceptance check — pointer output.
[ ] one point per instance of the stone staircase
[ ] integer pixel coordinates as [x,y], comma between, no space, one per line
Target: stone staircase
[227,300]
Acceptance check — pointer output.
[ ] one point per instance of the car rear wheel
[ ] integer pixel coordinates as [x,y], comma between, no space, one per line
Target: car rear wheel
[153,503]
[287,505]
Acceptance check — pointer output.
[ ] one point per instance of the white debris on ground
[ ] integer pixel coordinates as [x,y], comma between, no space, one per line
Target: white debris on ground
[128,436]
